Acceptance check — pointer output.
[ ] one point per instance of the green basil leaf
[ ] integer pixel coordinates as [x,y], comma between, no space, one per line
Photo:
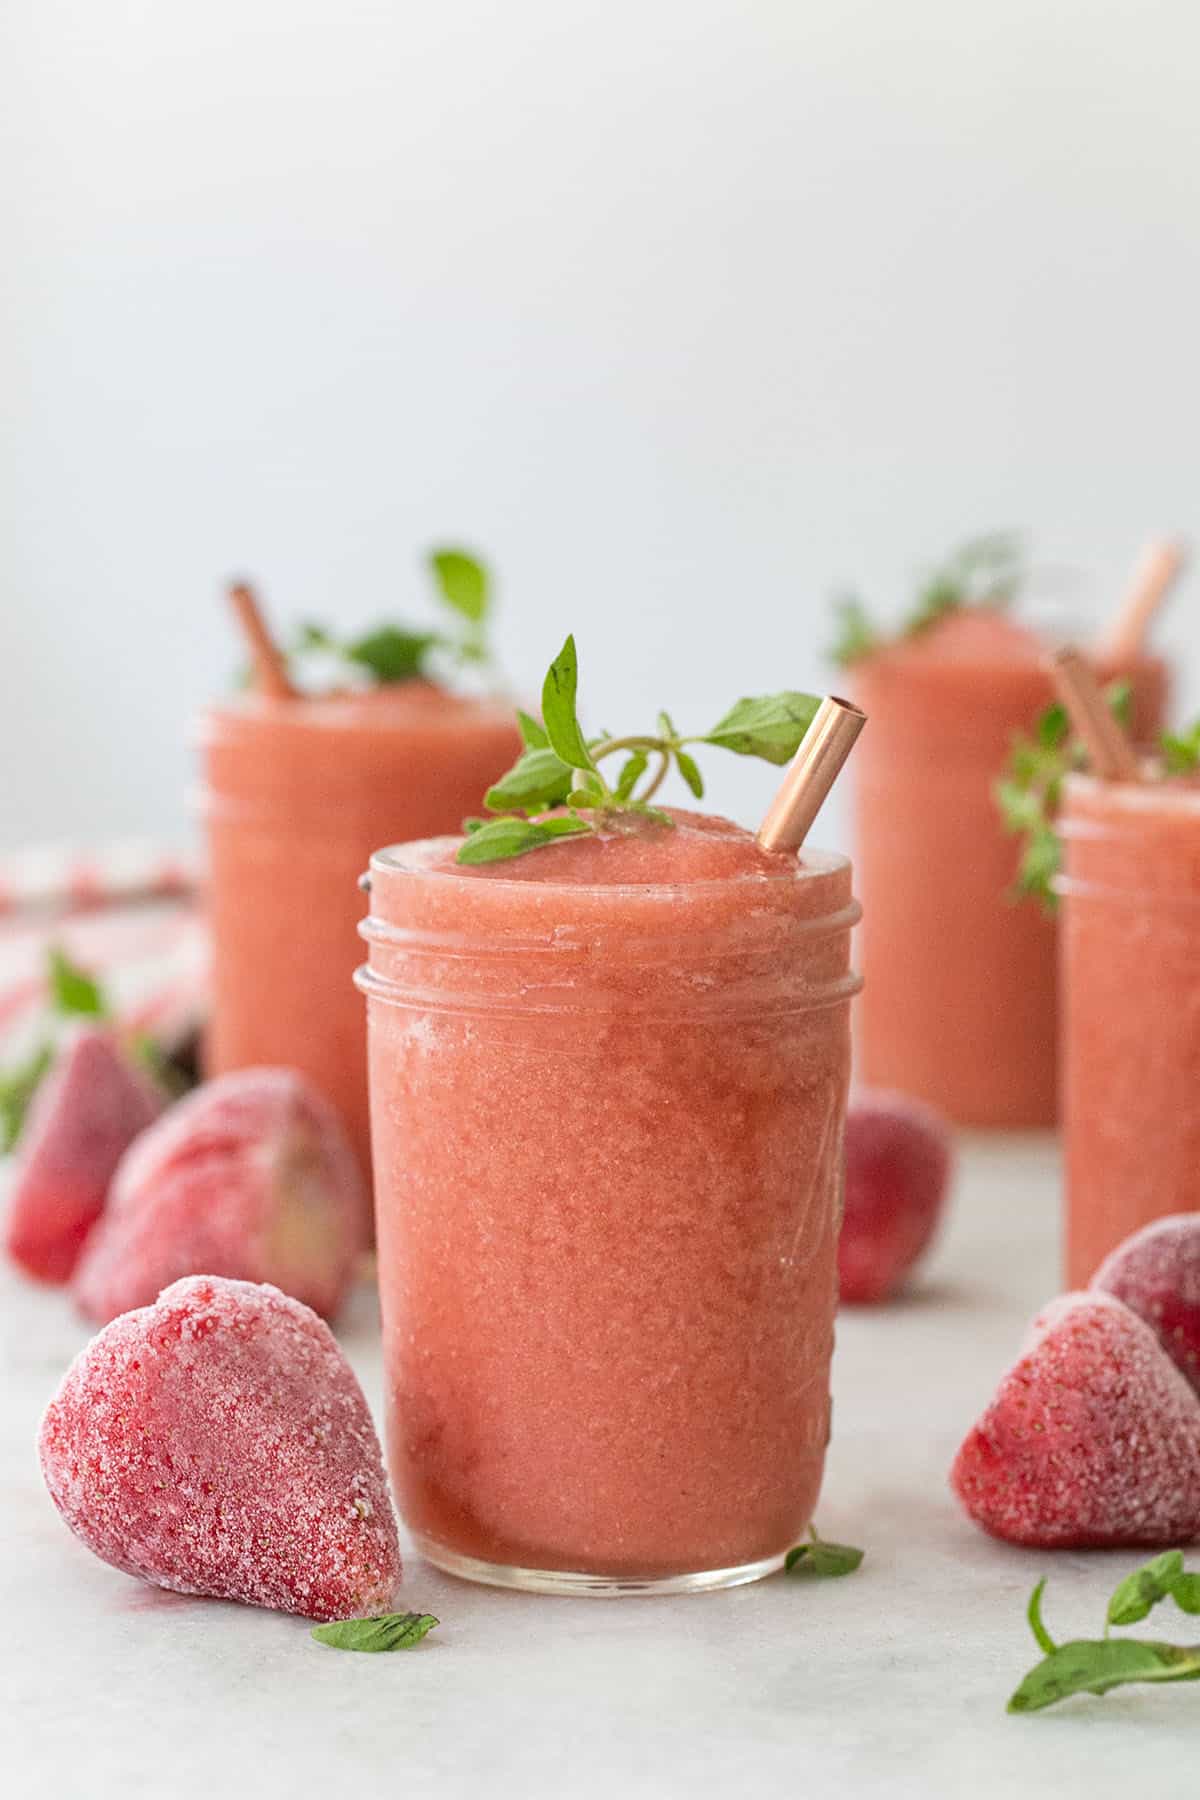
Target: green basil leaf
[1034,1614]
[391,653]
[500,839]
[1185,1592]
[17,1087]
[537,781]
[1096,1666]
[770,727]
[823,1559]
[533,735]
[1140,1593]
[558,709]
[311,636]
[1053,728]
[632,770]
[855,636]
[690,773]
[390,1631]
[73,991]
[463,583]
[1119,695]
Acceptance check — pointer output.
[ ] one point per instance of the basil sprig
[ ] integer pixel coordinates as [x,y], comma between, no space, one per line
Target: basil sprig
[986,571]
[1097,1665]
[559,765]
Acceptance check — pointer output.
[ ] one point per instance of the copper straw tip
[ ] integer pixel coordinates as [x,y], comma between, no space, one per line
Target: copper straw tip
[1161,563]
[812,772]
[270,666]
[1109,750]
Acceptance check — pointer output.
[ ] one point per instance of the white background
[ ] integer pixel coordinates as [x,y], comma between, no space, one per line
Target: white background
[683,311]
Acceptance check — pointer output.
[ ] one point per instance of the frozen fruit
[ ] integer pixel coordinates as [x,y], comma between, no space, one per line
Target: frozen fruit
[1157,1273]
[218,1443]
[1093,1438]
[85,1115]
[898,1164]
[250,1176]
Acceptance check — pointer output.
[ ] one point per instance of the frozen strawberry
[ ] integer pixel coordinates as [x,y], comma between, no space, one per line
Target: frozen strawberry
[898,1162]
[250,1176]
[85,1115]
[1093,1438]
[1157,1273]
[218,1443]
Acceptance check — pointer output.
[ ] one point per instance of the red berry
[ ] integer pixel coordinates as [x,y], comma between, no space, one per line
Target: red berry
[1093,1438]
[1157,1273]
[85,1115]
[251,1176]
[898,1163]
[218,1443]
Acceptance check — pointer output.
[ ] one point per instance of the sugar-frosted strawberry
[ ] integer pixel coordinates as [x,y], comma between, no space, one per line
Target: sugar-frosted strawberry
[252,1177]
[218,1443]
[898,1162]
[86,1113]
[1093,1438]
[1157,1273]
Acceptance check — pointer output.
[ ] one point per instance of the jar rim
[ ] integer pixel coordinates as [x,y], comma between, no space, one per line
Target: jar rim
[1175,795]
[816,865]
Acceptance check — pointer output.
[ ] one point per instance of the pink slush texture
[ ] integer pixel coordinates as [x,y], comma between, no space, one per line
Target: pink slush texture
[87,1112]
[1156,1272]
[218,1443]
[898,1162]
[1092,1440]
[251,1177]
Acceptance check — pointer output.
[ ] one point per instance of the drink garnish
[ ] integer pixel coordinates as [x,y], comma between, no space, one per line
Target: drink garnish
[984,572]
[387,652]
[560,766]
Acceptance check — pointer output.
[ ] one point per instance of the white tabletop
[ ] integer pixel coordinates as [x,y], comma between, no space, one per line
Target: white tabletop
[891,1682]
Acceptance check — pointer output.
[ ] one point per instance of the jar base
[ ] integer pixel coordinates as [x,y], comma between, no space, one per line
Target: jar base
[576,1582]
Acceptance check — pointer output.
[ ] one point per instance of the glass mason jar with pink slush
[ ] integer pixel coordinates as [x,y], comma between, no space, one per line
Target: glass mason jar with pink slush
[608,1087]
[1130,922]
[297,793]
[958,1007]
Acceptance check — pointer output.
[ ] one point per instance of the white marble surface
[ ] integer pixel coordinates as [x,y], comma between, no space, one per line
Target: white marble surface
[891,1683]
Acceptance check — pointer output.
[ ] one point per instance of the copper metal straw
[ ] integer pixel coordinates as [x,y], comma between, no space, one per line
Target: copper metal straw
[812,772]
[1159,567]
[1109,750]
[270,667]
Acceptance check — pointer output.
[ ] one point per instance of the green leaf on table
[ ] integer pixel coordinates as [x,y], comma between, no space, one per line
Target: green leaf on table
[18,1085]
[820,1558]
[73,992]
[537,781]
[770,726]
[558,709]
[463,583]
[1097,1665]
[390,1631]
[1139,1593]
[504,838]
